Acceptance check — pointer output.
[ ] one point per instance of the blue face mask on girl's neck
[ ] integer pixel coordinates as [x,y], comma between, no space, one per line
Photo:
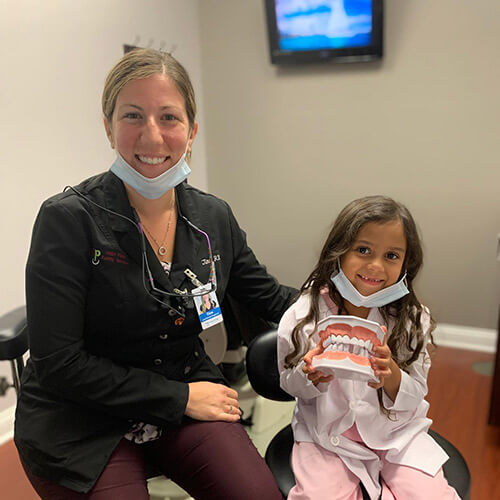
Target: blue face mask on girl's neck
[377,299]
[151,188]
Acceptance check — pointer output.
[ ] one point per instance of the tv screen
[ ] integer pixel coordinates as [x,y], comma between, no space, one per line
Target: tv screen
[324,30]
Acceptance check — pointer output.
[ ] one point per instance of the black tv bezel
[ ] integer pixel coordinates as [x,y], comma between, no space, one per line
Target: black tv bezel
[371,52]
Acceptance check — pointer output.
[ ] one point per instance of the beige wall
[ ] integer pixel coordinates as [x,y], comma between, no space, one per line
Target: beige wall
[288,148]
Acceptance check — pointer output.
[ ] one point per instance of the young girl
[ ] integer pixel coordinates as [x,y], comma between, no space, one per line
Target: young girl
[352,431]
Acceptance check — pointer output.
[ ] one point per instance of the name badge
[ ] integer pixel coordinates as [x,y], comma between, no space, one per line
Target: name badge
[207,307]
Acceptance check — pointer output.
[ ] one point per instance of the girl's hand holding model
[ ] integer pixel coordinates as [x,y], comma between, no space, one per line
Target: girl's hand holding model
[384,368]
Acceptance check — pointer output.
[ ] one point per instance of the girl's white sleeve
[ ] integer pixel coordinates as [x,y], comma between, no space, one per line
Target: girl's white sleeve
[293,380]
[413,386]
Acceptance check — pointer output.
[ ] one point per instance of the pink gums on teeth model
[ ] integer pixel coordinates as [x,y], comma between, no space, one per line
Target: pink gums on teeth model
[347,343]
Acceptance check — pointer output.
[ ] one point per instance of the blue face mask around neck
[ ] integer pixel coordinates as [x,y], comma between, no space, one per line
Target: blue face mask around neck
[377,299]
[151,188]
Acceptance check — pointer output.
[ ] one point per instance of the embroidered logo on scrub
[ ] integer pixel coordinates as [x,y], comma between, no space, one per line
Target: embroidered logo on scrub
[109,256]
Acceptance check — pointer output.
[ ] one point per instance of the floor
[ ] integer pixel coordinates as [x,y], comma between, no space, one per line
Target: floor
[459,406]
[459,397]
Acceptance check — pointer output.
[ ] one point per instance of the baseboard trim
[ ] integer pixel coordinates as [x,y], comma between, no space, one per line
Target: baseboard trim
[7,424]
[466,337]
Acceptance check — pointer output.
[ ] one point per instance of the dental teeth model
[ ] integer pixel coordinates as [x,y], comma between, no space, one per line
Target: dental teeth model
[347,343]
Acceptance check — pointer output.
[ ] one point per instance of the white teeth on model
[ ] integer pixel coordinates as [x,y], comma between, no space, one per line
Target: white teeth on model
[344,343]
[152,161]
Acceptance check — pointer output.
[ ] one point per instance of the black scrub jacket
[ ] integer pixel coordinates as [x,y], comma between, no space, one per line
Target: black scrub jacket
[103,352]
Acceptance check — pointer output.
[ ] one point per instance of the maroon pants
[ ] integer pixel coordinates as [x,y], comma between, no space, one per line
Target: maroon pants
[210,460]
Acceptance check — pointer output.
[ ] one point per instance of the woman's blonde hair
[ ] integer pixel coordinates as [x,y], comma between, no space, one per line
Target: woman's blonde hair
[142,63]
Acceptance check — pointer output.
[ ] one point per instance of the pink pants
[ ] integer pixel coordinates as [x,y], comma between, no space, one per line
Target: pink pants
[320,473]
[210,460]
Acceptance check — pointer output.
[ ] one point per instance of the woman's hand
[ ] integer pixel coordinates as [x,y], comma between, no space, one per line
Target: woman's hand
[315,376]
[386,369]
[210,401]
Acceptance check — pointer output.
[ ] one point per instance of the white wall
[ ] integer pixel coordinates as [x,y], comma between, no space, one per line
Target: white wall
[55,55]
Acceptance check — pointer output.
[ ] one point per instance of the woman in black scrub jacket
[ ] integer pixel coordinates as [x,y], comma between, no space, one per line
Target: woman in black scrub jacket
[118,383]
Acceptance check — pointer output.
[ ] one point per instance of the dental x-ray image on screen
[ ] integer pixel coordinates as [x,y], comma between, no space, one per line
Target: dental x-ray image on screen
[309,30]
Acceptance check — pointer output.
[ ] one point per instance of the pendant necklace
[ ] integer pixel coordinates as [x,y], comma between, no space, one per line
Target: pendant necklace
[162,249]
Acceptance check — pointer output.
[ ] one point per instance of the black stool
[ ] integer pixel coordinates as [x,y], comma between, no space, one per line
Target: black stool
[13,344]
[263,374]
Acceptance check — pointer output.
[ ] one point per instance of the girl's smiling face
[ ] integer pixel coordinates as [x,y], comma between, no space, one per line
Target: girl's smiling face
[150,127]
[375,260]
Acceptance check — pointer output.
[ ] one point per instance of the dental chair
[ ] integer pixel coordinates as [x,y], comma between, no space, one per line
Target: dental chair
[262,370]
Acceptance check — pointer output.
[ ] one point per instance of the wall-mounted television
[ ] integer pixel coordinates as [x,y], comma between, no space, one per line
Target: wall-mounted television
[302,31]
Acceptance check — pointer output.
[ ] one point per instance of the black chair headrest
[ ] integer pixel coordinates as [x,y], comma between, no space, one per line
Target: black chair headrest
[262,367]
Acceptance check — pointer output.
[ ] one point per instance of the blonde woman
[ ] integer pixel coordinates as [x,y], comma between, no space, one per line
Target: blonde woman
[118,386]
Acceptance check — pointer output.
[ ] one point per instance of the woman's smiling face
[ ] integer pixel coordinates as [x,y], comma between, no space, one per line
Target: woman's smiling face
[150,127]
[375,259]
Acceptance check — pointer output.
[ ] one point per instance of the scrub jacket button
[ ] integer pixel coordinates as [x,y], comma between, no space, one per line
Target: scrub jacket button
[335,440]
[187,370]
[158,361]
[171,312]
[196,355]
[164,336]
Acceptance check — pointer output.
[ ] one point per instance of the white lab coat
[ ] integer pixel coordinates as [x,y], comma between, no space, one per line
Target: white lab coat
[324,412]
